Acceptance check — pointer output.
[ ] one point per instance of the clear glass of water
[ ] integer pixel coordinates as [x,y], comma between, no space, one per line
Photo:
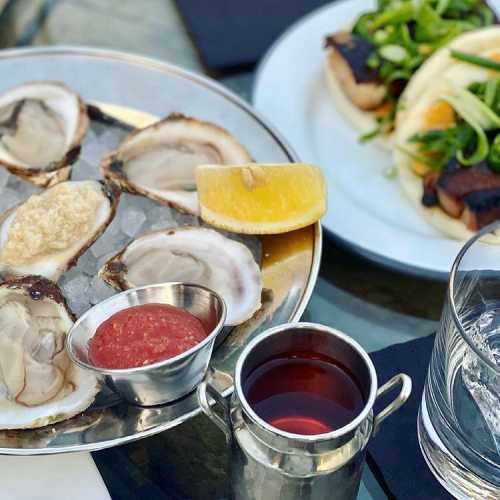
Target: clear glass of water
[459,418]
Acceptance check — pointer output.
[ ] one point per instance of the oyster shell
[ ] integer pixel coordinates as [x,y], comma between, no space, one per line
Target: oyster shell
[195,255]
[42,125]
[38,383]
[47,233]
[159,161]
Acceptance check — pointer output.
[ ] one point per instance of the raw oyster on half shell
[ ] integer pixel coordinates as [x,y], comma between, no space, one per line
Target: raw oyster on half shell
[47,233]
[194,255]
[159,161]
[42,125]
[38,383]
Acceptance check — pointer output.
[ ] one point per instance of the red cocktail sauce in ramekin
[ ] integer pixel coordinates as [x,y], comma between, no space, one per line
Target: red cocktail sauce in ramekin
[143,335]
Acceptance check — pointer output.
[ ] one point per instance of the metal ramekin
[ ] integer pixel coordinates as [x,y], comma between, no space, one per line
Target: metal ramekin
[161,382]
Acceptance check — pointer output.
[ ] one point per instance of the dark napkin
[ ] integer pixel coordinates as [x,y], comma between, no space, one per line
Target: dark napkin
[394,455]
[231,34]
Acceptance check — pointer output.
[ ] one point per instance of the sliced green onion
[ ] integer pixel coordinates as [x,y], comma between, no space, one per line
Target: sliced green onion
[460,25]
[414,62]
[482,148]
[362,27]
[384,126]
[391,172]
[490,93]
[472,109]
[452,30]
[479,116]
[399,14]
[369,135]
[441,6]
[404,33]
[417,157]
[373,61]
[476,60]
[394,53]
[380,36]
[429,25]
[399,74]
[425,49]
[494,156]
[487,15]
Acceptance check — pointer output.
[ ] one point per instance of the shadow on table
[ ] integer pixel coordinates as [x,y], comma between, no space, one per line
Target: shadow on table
[188,462]
[379,285]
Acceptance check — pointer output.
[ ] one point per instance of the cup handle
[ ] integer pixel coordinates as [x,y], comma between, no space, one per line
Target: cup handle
[204,392]
[404,394]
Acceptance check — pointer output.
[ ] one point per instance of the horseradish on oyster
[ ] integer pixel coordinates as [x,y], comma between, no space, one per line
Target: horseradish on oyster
[47,233]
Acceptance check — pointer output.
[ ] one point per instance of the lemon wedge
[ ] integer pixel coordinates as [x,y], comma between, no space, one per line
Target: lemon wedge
[261,198]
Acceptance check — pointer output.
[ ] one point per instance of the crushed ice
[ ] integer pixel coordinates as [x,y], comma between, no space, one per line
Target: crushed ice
[136,215]
[4,177]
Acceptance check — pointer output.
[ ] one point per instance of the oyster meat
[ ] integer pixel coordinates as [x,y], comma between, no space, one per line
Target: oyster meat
[47,233]
[159,161]
[42,125]
[38,383]
[195,255]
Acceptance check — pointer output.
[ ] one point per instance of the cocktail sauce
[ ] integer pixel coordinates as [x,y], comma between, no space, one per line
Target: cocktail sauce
[143,335]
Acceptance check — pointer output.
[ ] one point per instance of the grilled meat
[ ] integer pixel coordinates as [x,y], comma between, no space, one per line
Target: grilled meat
[430,197]
[458,181]
[481,208]
[451,205]
[347,59]
[471,193]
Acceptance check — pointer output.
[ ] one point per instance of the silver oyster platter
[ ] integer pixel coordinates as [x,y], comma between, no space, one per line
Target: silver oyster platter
[125,92]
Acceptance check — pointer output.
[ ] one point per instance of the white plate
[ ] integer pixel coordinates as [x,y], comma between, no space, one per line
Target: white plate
[366,210]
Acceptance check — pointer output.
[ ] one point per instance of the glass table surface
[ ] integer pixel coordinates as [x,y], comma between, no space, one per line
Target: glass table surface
[376,306]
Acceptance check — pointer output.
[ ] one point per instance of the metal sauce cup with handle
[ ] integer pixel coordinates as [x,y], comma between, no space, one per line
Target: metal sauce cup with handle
[267,462]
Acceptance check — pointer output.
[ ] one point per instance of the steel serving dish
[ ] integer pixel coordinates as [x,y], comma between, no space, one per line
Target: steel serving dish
[135,90]
[161,382]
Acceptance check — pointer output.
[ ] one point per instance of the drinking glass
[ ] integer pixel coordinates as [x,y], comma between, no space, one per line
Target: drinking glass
[459,418]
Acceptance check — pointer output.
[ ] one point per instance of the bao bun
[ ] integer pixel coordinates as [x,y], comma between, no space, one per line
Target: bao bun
[425,88]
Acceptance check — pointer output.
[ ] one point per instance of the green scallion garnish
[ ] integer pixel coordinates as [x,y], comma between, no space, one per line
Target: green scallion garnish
[475,60]
[494,155]
[391,172]
[405,33]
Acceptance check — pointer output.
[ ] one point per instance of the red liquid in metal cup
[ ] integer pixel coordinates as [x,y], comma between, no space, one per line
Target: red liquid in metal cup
[143,335]
[304,393]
